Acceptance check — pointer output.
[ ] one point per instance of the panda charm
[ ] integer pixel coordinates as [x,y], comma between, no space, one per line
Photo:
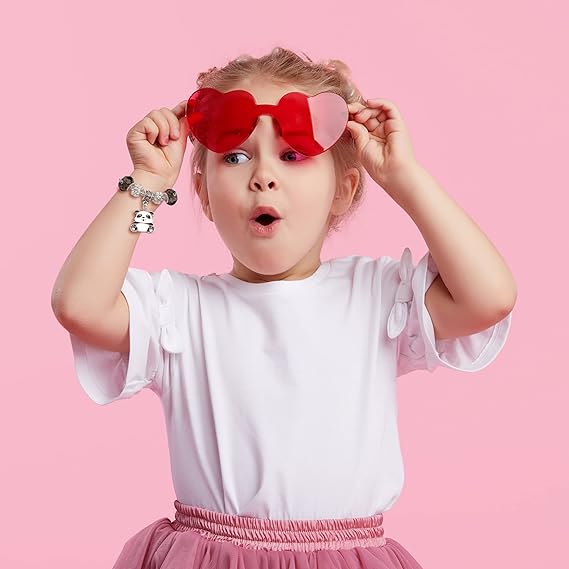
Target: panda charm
[143,221]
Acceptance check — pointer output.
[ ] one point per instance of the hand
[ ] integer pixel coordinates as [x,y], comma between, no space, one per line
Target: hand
[382,141]
[157,143]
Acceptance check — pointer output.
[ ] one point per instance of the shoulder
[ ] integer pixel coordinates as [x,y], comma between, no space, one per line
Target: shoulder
[166,283]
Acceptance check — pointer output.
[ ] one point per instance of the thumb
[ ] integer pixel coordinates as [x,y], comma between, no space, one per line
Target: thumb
[180,111]
[360,134]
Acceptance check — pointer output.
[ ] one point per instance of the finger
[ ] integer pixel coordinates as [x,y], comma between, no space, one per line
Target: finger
[173,122]
[163,126]
[359,133]
[181,105]
[180,109]
[365,114]
[150,129]
[354,108]
[372,124]
[390,108]
[368,116]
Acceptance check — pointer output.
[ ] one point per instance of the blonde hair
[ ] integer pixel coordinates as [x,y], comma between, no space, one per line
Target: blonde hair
[284,67]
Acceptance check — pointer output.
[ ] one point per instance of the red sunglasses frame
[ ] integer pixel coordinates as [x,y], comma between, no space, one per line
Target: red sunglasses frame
[310,124]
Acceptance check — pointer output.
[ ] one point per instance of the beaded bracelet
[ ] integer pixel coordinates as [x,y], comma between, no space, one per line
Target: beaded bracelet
[143,219]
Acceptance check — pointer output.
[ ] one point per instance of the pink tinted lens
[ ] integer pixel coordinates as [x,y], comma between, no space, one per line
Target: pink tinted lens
[311,125]
[329,114]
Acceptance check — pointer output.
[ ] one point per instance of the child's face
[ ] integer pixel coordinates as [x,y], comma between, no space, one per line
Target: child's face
[265,170]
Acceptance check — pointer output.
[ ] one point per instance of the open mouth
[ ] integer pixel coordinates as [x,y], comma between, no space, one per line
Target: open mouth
[265,219]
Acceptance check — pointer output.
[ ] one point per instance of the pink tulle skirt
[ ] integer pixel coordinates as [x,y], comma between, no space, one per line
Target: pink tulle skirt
[204,539]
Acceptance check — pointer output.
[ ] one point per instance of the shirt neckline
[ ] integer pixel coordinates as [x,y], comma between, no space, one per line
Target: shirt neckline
[278,286]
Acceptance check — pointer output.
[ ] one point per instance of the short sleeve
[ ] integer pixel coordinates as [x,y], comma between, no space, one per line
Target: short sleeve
[410,322]
[107,376]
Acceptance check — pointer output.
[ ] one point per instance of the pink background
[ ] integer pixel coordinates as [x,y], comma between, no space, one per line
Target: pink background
[482,87]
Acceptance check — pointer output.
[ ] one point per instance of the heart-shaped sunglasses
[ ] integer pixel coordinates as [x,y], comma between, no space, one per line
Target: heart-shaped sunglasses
[310,124]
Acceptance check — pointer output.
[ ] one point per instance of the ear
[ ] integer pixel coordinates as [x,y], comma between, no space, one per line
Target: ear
[345,190]
[198,179]
[203,197]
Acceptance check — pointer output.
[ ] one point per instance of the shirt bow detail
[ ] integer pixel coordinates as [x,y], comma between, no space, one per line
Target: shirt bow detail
[170,337]
[403,296]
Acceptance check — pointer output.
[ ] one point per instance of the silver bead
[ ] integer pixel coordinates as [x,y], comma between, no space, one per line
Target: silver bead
[135,189]
[157,197]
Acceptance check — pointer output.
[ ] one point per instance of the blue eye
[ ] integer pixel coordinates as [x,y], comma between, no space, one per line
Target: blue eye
[288,152]
[230,155]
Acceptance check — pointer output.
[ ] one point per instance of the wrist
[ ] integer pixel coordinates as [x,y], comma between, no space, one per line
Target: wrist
[150,181]
[404,179]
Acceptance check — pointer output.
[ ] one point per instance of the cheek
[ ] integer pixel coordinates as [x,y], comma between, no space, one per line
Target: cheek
[311,207]
[226,203]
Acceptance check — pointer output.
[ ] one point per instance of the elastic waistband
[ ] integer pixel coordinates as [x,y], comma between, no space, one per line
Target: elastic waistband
[263,533]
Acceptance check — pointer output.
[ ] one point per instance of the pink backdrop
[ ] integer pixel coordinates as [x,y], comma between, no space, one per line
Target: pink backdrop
[483,88]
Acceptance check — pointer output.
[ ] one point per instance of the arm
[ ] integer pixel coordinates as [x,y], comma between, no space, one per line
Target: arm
[89,283]
[475,288]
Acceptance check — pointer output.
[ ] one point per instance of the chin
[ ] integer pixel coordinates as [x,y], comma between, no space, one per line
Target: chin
[270,268]
[266,263]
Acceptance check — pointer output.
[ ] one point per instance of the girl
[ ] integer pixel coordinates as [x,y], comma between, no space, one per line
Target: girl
[277,379]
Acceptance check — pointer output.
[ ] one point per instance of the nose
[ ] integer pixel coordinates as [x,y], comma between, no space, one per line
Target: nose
[266,126]
[264,135]
[263,179]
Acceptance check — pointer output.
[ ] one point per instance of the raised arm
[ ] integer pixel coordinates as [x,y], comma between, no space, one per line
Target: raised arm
[86,297]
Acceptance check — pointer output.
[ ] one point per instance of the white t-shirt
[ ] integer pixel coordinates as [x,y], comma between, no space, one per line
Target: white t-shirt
[280,398]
